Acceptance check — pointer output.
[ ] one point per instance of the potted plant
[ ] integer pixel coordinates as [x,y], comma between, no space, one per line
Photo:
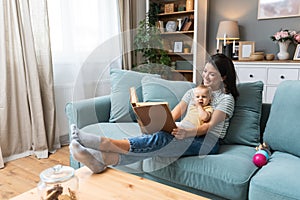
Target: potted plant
[148,40]
[284,38]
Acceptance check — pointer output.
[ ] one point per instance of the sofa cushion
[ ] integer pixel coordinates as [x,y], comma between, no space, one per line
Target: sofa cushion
[282,129]
[121,81]
[155,89]
[226,174]
[279,179]
[244,127]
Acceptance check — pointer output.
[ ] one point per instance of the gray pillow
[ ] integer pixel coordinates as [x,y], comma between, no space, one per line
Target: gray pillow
[282,131]
[121,81]
[244,127]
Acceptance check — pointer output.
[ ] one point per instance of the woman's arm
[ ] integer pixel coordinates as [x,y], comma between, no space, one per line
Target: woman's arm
[223,110]
[179,109]
[217,117]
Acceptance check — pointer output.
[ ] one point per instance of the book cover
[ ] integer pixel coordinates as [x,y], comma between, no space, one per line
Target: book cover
[185,20]
[152,116]
[187,26]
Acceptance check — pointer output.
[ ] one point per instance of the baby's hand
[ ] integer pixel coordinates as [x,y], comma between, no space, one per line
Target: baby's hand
[197,103]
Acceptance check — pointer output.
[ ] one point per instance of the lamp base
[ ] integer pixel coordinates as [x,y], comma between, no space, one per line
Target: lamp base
[227,50]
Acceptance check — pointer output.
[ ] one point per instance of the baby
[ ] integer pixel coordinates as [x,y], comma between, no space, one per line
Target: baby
[200,110]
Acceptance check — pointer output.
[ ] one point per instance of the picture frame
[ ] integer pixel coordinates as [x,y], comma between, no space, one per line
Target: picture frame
[178,47]
[246,48]
[297,53]
[268,9]
[235,55]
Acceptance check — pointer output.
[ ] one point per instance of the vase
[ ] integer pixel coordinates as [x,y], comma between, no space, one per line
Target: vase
[189,5]
[283,54]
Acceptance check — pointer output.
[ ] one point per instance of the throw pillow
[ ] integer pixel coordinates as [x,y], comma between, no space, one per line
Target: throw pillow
[282,129]
[244,127]
[155,89]
[121,81]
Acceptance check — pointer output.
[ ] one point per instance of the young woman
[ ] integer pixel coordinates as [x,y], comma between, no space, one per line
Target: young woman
[219,74]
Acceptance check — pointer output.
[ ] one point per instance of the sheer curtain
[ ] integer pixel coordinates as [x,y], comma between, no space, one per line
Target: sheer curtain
[1,159]
[85,43]
[27,114]
[128,24]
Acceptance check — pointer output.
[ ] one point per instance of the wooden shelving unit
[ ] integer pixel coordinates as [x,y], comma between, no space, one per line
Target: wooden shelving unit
[177,13]
[177,33]
[190,39]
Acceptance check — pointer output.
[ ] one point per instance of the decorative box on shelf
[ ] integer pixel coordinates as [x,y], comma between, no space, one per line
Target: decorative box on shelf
[184,65]
[169,7]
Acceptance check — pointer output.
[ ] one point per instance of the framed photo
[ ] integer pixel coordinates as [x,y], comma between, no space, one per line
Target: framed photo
[178,47]
[268,9]
[246,48]
[235,51]
[297,53]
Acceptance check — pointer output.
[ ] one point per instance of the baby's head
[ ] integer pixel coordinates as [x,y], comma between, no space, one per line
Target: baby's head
[202,95]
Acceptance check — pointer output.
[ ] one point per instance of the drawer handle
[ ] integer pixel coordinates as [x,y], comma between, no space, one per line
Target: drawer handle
[251,76]
[282,77]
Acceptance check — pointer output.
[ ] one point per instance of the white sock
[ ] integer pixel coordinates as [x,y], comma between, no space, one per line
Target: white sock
[85,139]
[89,157]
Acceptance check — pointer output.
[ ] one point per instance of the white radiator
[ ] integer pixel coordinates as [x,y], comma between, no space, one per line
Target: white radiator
[63,95]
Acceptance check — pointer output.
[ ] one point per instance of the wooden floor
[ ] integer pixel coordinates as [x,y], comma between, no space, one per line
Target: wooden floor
[22,174]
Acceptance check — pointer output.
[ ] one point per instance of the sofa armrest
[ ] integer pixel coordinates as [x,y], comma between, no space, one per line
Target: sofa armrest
[88,111]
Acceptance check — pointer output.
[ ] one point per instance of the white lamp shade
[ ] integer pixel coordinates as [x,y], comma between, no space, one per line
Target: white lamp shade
[230,29]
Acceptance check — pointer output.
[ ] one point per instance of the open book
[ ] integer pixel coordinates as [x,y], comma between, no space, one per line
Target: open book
[152,116]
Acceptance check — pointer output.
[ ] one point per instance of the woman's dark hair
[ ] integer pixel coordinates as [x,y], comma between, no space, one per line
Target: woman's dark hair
[227,71]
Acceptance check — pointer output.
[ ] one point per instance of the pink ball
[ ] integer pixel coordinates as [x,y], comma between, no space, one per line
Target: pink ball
[259,159]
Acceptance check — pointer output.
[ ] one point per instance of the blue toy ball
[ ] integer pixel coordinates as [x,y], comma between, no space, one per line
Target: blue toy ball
[265,153]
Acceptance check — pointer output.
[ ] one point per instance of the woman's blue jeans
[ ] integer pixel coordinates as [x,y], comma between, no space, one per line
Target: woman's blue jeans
[164,144]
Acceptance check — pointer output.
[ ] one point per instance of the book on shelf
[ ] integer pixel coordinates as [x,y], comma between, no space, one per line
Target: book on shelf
[152,116]
[184,21]
[187,26]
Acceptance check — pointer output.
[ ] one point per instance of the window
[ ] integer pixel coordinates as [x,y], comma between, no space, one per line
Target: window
[78,29]
[78,26]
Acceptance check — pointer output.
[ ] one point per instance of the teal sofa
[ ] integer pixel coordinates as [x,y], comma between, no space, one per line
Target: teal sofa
[230,174]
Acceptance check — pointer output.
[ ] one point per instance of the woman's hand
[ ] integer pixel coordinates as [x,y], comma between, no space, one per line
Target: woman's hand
[181,133]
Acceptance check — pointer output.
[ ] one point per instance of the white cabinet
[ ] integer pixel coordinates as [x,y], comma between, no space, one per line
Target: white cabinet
[276,76]
[270,94]
[271,73]
[252,74]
